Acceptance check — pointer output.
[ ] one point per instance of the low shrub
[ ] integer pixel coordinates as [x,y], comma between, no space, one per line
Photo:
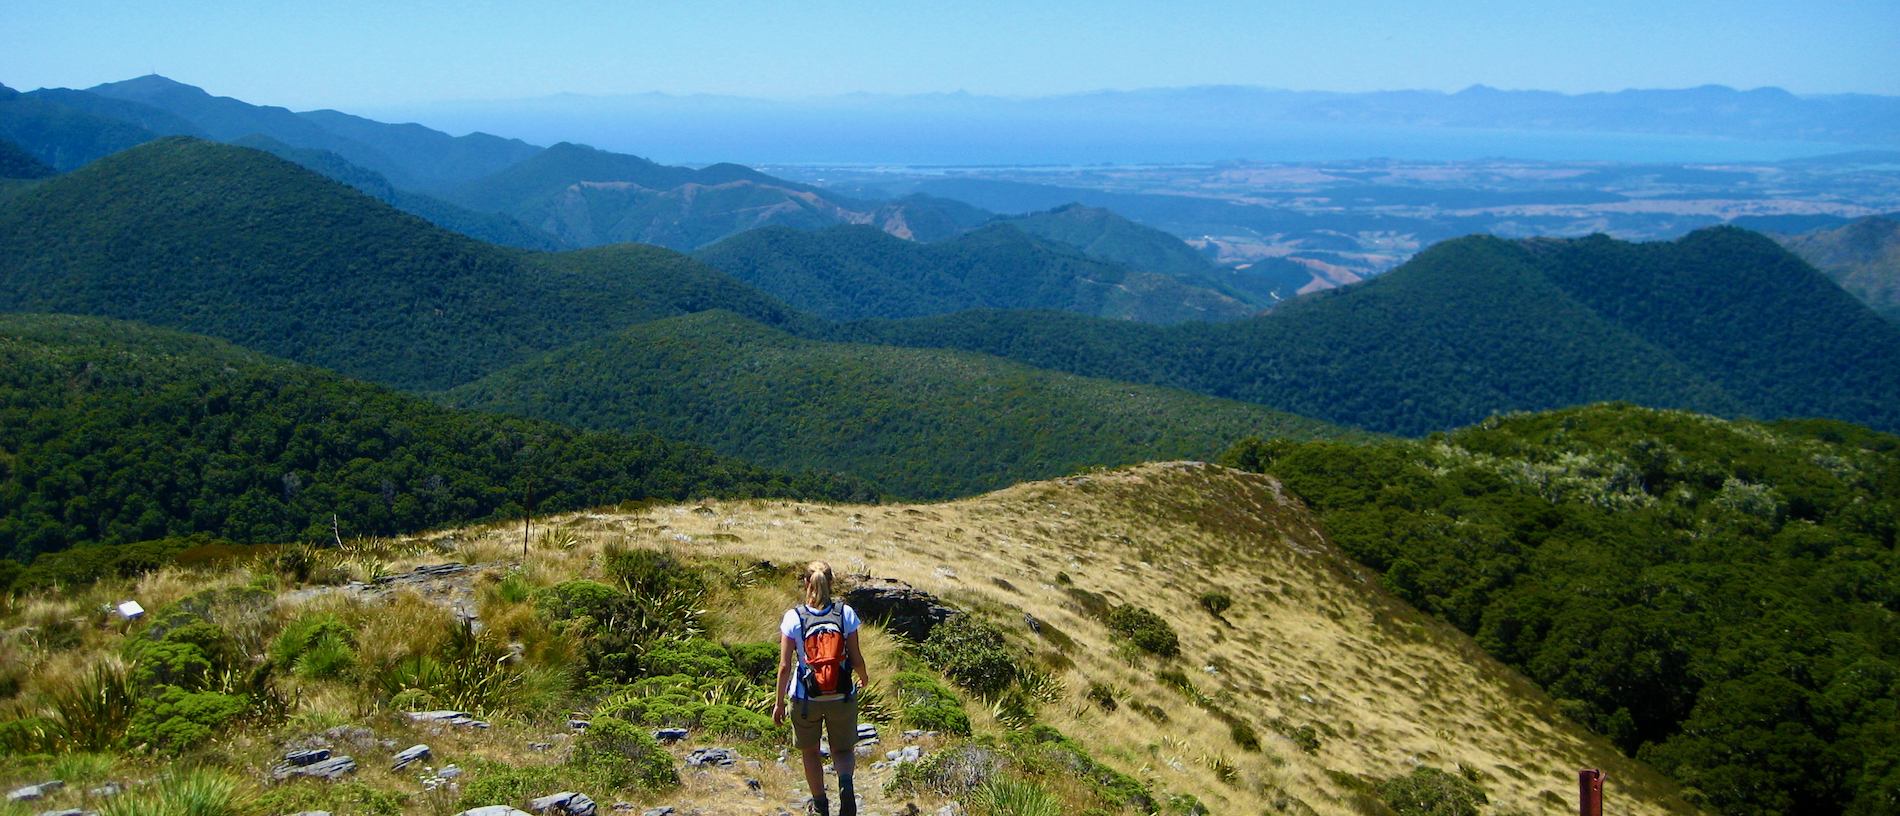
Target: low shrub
[938,718]
[652,572]
[758,662]
[1102,696]
[1216,603]
[1303,736]
[627,753]
[971,653]
[696,657]
[1147,630]
[1185,804]
[927,706]
[575,599]
[735,722]
[496,783]
[176,718]
[1429,791]
[951,772]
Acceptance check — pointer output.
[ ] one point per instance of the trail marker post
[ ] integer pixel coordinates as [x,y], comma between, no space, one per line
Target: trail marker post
[1590,792]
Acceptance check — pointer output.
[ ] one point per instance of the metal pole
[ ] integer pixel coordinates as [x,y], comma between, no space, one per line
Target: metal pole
[527,513]
[1590,792]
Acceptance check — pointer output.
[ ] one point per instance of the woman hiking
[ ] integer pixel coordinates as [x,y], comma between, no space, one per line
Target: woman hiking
[817,655]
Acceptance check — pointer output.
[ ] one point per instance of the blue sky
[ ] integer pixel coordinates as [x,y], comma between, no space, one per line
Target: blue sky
[370,54]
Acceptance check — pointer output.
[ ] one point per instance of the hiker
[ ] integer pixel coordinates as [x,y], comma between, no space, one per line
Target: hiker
[820,641]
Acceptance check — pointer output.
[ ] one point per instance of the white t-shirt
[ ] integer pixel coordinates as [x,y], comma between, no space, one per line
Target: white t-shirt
[790,627]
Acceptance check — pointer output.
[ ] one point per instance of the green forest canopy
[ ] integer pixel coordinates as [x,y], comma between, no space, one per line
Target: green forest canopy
[116,433]
[1721,321]
[1719,598]
[923,424]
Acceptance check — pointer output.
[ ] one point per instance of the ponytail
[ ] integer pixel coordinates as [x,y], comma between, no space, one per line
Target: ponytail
[817,584]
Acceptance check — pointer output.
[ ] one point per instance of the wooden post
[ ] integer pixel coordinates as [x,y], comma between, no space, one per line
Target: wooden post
[527,513]
[1590,792]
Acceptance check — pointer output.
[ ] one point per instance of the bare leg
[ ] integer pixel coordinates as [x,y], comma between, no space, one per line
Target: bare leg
[814,772]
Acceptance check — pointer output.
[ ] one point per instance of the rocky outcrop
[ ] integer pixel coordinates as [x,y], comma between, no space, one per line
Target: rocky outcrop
[897,605]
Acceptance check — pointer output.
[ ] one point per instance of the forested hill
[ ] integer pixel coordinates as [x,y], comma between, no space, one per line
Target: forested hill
[853,271]
[61,137]
[1718,598]
[241,245]
[923,424]
[1104,234]
[1752,317]
[116,433]
[494,228]
[529,184]
[1480,325]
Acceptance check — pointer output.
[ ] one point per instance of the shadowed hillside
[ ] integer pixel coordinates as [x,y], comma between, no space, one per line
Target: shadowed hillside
[856,272]
[241,245]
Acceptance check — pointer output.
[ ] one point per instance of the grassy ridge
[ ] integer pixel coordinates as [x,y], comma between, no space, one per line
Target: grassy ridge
[241,245]
[925,424]
[117,433]
[1718,598]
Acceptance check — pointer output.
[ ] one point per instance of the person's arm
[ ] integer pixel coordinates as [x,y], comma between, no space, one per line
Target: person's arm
[787,655]
[857,659]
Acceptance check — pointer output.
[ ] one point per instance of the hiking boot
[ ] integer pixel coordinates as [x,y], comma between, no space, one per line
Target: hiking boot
[818,806]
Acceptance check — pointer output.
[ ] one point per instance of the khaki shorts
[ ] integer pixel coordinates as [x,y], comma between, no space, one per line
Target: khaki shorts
[838,717]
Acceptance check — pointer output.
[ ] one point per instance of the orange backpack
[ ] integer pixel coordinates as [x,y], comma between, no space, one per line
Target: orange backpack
[824,670]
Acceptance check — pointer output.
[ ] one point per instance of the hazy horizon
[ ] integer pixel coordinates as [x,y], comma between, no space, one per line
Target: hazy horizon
[364,55]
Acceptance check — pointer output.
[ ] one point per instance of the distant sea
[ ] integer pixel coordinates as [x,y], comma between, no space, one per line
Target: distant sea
[702,134]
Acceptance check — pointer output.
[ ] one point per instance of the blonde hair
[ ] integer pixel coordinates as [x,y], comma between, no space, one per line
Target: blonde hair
[817,584]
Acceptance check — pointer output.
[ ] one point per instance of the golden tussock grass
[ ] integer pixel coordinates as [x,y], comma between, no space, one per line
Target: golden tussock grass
[1310,641]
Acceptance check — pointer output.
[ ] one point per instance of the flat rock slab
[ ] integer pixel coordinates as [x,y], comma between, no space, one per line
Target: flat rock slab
[312,813]
[333,768]
[424,573]
[33,792]
[410,755]
[494,810]
[670,734]
[721,757]
[658,811]
[565,803]
[298,759]
[426,716]
[68,812]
